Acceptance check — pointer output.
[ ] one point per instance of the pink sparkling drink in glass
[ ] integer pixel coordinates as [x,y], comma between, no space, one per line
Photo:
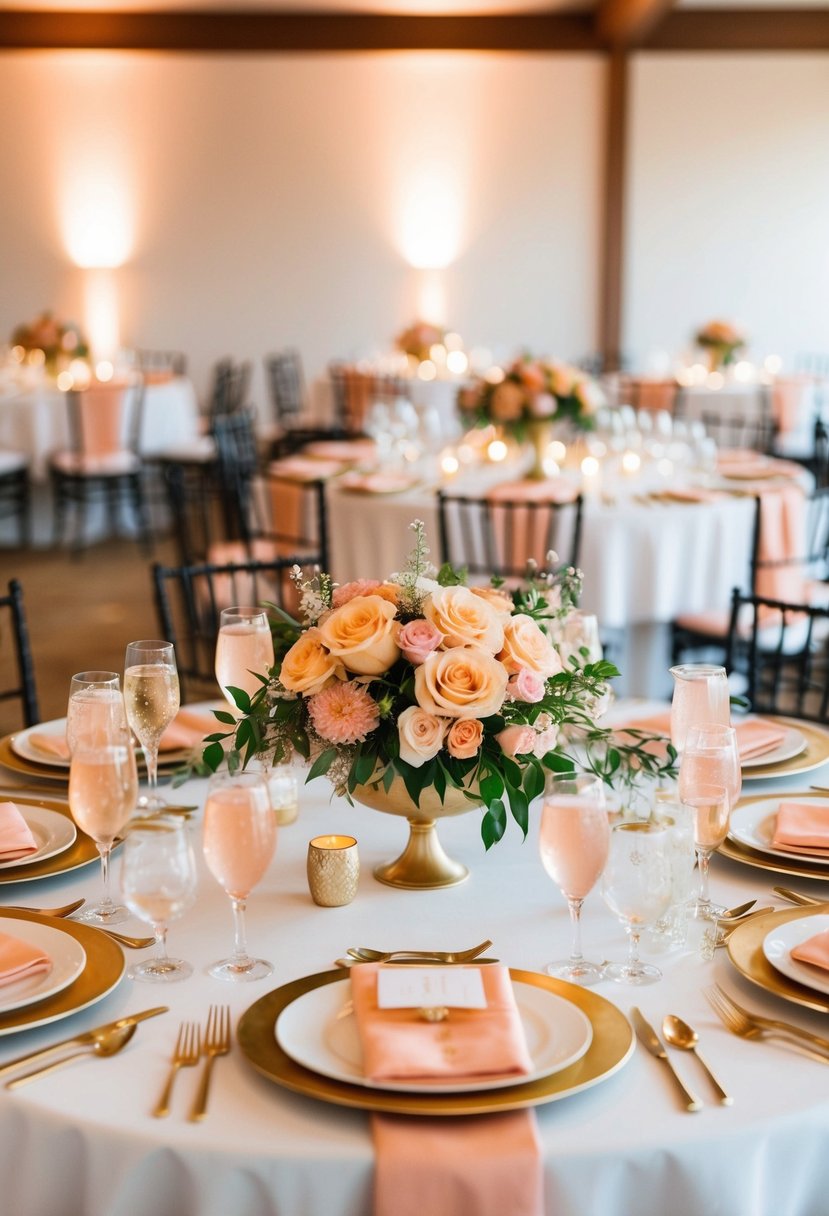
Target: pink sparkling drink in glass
[244,645]
[700,698]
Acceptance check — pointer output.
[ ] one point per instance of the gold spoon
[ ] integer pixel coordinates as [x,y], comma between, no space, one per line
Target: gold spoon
[740,910]
[134,943]
[108,1044]
[680,1034]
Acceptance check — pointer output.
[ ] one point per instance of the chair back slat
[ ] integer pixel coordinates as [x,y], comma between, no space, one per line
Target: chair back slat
[16,648]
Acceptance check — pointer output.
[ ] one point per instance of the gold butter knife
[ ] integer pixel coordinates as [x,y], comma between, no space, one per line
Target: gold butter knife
[88,1037]
[650,1039]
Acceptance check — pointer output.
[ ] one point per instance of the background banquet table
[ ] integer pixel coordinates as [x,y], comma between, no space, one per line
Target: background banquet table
[82,1142]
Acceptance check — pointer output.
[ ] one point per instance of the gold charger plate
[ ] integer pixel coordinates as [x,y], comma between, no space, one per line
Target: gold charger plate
[104,968]
[815,754]
[745,950]
[612,1045]
[798,867]
[80,853]
[51,772]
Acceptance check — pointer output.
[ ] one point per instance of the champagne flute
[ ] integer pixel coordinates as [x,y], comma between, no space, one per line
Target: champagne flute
[244,646]
[239,842]
[158,881]
[709,784]
[103,787]
[636,886]
[151,694]
[95,705]
[573,843]
[700,696]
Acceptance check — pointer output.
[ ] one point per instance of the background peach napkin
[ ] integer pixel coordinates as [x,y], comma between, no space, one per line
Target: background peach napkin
[814,950]
[19,960]
[50,745]
[756,737]
[802,827]
[188,729]
[16,839]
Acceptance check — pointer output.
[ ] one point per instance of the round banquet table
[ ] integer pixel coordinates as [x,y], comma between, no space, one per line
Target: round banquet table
[82,1142]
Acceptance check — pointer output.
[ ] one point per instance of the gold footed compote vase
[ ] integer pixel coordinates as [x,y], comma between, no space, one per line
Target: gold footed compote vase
[423,865]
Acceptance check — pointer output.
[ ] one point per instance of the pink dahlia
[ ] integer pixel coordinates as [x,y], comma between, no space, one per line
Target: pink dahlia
[344,713]
[360,586]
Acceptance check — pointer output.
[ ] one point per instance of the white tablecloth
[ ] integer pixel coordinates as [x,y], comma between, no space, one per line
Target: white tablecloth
[82,1143]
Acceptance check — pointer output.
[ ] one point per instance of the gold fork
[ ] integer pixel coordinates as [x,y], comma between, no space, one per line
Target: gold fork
[752,1026]
[216,1043]
[185,1055]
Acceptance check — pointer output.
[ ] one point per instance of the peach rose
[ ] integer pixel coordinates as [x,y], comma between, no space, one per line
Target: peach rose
[507,402]
[516,740]
[501,601]
[421,735]
[308,667]
[464,619]
[417,639]
[464,738]
[532,376]
[465,682]
[526,645]
[362,635]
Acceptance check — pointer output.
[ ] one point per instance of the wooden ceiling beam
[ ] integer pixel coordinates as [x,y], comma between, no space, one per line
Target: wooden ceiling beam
[624,23]
[762,29]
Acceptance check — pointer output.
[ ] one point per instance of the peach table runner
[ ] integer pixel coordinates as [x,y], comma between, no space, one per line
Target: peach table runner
[16,839]
[486,1164]
[19,959]
[802,827]
[814,950]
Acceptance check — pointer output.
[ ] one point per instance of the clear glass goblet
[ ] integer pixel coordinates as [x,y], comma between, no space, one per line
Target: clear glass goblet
[151,695]
[636,886]
[700,697]
[158,882]
[95,710]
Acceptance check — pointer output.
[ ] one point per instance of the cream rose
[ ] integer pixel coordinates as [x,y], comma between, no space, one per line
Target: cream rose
[308,667]
[362,634]
[526,645]
[464,738]
[421,735]
[464,619]
[501,601]
[465,682]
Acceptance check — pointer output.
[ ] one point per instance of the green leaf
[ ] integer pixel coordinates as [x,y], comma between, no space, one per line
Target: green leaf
[388,777]
[492,786]
[300,741]
[363,768]
[494,823]
[413,780]
[244,732]
[241,698]
[225,716]
[234,761]
[559,763]
[213,756]
[520,808]
[440,782]
[533,781]
[323,763]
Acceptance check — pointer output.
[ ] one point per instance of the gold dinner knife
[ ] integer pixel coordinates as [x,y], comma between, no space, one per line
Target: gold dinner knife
[650,1039]
[80,1040]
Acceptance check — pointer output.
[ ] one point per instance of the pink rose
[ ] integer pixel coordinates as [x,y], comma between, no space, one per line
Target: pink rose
[545,741]
[526,685]
[464,738]
[417,639]
[516,740]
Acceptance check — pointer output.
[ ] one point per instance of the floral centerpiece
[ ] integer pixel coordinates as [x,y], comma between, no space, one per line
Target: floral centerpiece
[529,397]
[722,341]
[418,339]
[422,683]
[60,341]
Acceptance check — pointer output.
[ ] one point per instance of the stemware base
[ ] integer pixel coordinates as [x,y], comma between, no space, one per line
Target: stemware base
[104,914]
[237,972]
[581,972]
[160,970]
[632,973]
[149,804]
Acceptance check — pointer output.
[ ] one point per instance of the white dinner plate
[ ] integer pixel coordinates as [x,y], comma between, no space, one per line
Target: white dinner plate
[779,943]
[22,744]
[52,831]
[310,1031]
[793,743]
[68,961]
[753,826]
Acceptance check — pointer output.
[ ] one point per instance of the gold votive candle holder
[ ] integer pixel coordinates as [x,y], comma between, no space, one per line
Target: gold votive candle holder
[333,870]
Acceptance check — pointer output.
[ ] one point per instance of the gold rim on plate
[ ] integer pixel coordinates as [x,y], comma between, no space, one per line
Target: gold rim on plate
[612,1045]
[816,751]
[104,968]
[798,867]
[745,950]
[80,853]
[9,758]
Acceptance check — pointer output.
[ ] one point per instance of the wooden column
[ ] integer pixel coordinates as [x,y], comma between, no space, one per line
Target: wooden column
[611,278]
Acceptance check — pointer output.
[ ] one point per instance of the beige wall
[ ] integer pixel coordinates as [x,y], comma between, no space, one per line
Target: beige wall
[272,200]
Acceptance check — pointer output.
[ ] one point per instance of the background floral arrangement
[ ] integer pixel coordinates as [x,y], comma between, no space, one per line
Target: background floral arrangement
[534,390]
[419,339]
[722,339]
[423,678]
[60,341]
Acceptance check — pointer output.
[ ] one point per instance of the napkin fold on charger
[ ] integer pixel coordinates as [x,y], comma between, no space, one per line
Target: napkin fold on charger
[188,729]
[16,839]
[51,745]
[756,737]
[815,951]
[802,827]
[19,959]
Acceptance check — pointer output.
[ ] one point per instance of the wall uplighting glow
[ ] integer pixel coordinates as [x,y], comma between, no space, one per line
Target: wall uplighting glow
[101,313]
[429,235]
[97,219]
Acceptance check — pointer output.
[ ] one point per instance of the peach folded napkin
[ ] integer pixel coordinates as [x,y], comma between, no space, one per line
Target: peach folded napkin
[304,468]
[656,724]
[802,827]
[378,483]
[51,745]
[355,451]
[187,730]
[815,950]
[19,959]
[396,1043]
[754,738]
[16,839]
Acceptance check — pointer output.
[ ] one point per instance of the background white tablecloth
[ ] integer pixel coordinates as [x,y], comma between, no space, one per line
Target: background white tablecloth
[82,1143]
